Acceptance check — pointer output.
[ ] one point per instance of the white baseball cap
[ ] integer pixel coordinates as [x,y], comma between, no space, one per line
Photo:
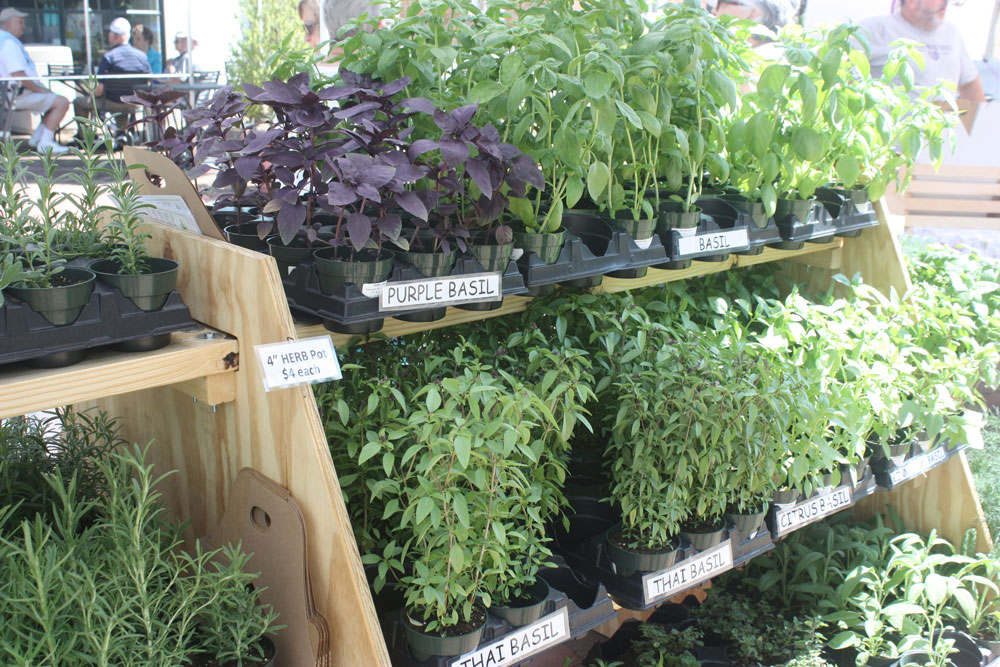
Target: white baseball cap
[120,26]
[11,13]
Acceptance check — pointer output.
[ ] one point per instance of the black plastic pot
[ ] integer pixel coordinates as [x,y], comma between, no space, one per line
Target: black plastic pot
[288,256]
[747,524]
[429,265]
[702,540]
[641,231]
[148,291]
[531,611]
[424,646]
[796,218]
[786,496]
[245,236]
[492,257]
[336,267]
[546,246]
[234,215]
[63,304]
[628,562]
[671,216]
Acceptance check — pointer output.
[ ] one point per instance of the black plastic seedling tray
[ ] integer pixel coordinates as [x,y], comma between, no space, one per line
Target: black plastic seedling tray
[889,475]
[591,250]
[109,318]
[818,227]
[348,310]
[717,216]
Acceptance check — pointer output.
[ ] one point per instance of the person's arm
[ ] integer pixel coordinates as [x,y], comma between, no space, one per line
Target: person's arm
[30,85]
[972,91]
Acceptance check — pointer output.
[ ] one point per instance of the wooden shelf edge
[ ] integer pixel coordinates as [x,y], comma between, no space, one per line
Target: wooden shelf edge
[188,358]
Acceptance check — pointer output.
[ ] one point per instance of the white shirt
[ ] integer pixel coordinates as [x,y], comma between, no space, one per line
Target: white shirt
[12,60]
[945,57]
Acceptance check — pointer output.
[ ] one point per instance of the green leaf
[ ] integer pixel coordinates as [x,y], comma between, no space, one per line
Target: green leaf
[511,68]
[936,588]
[486,90]
[433,399]
[807,143]
[518,91]
[463,448]
[461,509]
[424,507]
[574,190]
[848,170]
[597,180]
[629,113]
[457,558]
[368,451]
[760,131]
[843,640]
[650,123]
[596,85]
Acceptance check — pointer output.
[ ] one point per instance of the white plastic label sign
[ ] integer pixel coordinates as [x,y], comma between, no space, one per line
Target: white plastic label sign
[677,578]
[721,242]
[918,465]
[296,362]
[451,290]
[170,210]
[525,641]
[813,509]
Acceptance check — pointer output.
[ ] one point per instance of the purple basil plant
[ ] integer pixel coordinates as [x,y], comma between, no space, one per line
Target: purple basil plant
[471,170]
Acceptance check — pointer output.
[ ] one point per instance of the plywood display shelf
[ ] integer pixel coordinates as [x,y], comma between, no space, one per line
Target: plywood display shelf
[825,255]
[200,363]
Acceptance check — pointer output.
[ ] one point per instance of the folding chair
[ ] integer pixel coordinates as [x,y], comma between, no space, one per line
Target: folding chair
[8,92]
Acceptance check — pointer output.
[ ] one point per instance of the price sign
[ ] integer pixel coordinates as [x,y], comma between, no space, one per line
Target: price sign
[431,292]
[170,210]
[731,240]
[811,510]
[296,362]
[525,641]
[671,581]
[918,465]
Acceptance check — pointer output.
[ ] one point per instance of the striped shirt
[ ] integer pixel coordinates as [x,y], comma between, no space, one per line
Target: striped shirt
[122,59]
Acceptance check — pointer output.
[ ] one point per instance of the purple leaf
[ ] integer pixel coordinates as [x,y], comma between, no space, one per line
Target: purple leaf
[480,176]
[412,204]
[341,195]
[420,104]
[314,116]
[290,219]
[463,115]
[390,225]
[265,228]
[378,174]
[247,166]
[503,234]
[369,191]
[225,178]
[454,152]
[291,159]
[259,140]
[359,229]
[421,146]
[509,151]
[394,87]
[444,121]
[337,92]
[200,170]
[526,169]
[352,111]
[280,92]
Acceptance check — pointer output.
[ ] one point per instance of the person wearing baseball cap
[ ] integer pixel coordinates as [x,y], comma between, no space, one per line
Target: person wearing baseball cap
[15,62]
[121,58]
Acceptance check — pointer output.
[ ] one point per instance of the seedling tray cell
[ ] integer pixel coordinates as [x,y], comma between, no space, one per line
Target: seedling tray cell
[109,318]
[591,249]
[349,308]
[748,547]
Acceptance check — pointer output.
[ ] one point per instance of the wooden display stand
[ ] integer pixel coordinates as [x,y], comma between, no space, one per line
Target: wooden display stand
[210,432]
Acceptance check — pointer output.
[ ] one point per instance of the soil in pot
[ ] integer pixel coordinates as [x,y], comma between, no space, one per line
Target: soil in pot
[526,609]
[631,559]
[62,303]
[458,639]
[546,246]
[148,291]
[703,534]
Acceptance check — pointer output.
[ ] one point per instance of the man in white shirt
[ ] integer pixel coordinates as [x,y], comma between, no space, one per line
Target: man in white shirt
[945,57]
[15,62]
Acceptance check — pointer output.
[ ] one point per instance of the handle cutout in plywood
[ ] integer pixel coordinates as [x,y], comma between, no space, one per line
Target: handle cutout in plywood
[157,175]
[269,523]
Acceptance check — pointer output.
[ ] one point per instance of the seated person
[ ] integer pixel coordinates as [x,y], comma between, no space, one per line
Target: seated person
[121,58]
[143,39]
[15,62]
